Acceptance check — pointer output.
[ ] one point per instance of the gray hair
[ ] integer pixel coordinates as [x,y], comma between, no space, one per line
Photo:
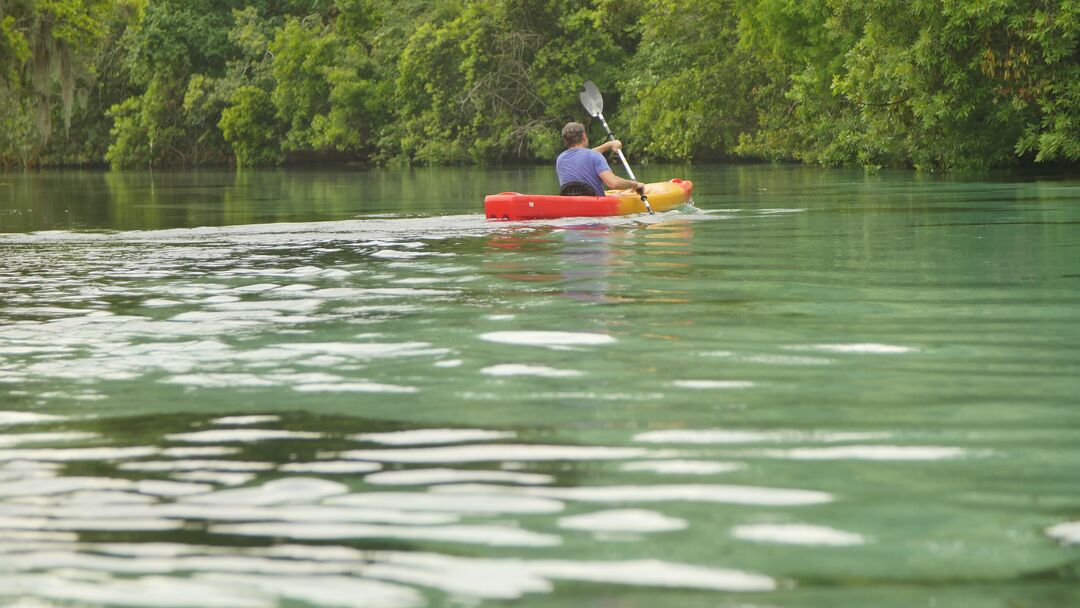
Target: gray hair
[573,133]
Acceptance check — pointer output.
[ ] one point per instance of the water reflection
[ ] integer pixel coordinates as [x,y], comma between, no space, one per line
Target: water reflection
[72,200]
[813,386]
[367,512]
[591,257]
[140,524]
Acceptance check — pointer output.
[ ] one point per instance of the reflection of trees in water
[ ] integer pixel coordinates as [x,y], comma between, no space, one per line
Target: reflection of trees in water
[55,200]
[164,200]
[156,200]
[210,198]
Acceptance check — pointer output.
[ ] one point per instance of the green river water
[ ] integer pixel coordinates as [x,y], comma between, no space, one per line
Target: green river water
[813,388]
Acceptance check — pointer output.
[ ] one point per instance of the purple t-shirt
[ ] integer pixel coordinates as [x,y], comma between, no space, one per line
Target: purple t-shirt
[582,165]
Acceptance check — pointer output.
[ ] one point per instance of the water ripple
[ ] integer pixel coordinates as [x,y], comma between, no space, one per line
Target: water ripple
[797,534]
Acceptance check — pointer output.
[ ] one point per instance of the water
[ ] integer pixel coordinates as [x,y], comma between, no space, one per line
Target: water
[349,389]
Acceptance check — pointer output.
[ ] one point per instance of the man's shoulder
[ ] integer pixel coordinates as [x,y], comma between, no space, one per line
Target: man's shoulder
[580,152]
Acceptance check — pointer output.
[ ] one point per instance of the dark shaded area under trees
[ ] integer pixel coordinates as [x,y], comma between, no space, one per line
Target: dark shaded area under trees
[930,84]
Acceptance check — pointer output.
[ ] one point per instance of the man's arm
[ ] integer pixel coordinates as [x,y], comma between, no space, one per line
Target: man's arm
[614,182]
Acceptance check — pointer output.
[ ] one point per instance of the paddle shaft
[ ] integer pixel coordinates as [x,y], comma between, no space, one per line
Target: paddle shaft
[626,165]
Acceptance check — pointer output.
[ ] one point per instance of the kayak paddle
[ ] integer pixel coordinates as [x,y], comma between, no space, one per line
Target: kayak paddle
[594,105]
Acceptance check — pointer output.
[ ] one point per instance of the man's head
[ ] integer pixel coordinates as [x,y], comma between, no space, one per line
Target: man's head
[573,134]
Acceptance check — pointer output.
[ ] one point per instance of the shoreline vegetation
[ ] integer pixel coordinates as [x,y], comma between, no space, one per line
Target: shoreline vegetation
[925,84]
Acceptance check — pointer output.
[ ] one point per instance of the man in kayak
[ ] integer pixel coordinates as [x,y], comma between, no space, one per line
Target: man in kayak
[582,169]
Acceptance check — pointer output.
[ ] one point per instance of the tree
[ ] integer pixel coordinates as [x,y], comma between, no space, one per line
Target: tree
[690,90]
[47,52]
[244,125]
[496,80]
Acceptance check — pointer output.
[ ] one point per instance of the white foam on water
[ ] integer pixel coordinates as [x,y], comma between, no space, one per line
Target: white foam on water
[383,309]
[312,514]
[241,435]
[355,387]
[195,465]
[869,452]
[325,361]
[409,292]
[194,452]
[170,489]
[17,469]
[21,438]
[1068,532]
[731,494]
[276,492]
[144,592]
[784,360]
[217,477]
[150,549]
[30,350]
[61,485]
[293,306]
[865,348]
[520,369]
[246,316]
[24,536]
[87,498]
[365,350]
[331,467]
[244,420]
[724,436]
[655,573]
[682,467]
[713,384]
[420,280]
[44,311]
[466,578]
[221,380]
[219,299]
[13,418]
[489,535]
[490,453]
[797,534]
[449,363]
[75,454]
[439,476]
[433,436]
[511,578]
[589,395]
[622,520]
[347,592]
[245,572]
[96,523]
[779,211]
[255,288]
[548,338]
[456,503]
[393,254]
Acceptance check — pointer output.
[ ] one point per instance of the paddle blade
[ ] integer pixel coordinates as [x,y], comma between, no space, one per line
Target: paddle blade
[592,99]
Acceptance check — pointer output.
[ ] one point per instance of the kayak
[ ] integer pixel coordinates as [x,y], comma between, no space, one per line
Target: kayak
[663,196]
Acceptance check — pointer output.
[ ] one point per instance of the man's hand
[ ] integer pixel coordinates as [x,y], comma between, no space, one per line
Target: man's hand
[609,146]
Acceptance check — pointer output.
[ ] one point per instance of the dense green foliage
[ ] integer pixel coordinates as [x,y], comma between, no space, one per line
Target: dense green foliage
[932,84]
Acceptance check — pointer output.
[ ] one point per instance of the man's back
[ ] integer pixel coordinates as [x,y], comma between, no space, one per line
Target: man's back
[582,165]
